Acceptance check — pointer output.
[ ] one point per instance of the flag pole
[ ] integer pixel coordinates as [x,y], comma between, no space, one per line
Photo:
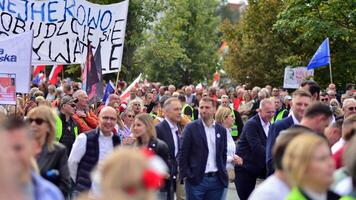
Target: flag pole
[331,75]
[117,81]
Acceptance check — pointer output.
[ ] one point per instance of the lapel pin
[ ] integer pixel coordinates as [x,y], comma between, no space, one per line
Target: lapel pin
[218,135]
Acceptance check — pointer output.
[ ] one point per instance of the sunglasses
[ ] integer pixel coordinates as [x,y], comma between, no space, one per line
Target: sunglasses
[351,108]
[73,105]
[131,116]
[38,121]
[324,99]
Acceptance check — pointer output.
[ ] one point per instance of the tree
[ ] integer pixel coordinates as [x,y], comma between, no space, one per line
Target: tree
[182,46]
[254,48]
[303,25]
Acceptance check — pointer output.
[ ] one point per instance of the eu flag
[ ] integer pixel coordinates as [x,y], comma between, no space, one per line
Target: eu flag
[321,56]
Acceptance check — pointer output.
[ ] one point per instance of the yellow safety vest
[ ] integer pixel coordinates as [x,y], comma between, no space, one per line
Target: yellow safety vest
[279,116]
[234,130]
[59,129]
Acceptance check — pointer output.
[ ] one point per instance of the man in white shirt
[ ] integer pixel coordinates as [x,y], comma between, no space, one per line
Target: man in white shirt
[202,156]
[92,147]
[252,149]
[168,132]
[300,101]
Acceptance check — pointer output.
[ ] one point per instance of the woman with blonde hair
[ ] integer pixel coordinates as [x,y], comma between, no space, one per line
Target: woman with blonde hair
[52,157]
[225,117]
[309,167]
[144,133]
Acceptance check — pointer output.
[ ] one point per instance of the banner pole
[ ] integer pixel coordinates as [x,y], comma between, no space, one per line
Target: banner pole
[117,81]
[331,75]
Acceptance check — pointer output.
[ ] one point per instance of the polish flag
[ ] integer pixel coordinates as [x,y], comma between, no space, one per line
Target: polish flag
[134,84]
[37,69]
[53,76]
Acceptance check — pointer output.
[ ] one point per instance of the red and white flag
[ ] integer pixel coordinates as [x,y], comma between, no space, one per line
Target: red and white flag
[37,69]
[53,76]
[134,84]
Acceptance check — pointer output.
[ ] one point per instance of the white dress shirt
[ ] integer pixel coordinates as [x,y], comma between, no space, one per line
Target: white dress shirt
[79,148]
[295,120]
[231,148]
[210,138]
[174,129]
[265,125]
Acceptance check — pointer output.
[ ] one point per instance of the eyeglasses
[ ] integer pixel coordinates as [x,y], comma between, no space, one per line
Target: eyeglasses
[351,108]
[109,118]
[38,121]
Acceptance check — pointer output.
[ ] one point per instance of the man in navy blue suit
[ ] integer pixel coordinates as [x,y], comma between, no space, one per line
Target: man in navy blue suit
[202,158]
[300,101]
[169,132]
[252,149]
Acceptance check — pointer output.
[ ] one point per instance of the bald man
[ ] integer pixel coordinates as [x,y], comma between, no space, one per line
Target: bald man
[92,147]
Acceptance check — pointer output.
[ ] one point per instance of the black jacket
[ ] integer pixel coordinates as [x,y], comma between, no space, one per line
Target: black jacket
[54,167]
[160,148]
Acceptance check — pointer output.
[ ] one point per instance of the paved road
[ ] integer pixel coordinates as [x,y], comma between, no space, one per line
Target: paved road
[232,194]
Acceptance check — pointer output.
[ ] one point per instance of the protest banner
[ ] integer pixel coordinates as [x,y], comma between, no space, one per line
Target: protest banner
[63,27]
[293,77]
[15,58]
[7,89]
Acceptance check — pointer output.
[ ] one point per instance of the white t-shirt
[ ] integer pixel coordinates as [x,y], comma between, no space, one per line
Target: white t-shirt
[271,189]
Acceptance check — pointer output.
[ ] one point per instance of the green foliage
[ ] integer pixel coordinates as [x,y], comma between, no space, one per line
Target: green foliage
[303,25]
[182,46]
[274,34]
[254,47]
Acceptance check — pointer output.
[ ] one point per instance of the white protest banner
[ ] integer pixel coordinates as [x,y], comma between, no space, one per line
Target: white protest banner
[7,89]
[62,29]
[15,58]
[293,77]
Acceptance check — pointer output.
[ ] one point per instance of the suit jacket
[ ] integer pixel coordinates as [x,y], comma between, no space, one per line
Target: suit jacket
[194,152]
[273,133]
[252,147]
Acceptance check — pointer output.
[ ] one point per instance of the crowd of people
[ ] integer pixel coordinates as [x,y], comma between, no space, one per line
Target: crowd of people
[190,142]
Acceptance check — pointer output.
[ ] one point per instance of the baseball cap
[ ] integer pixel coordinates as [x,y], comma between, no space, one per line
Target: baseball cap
[67,99]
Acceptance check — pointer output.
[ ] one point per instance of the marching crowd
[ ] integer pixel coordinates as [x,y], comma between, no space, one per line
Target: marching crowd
[190,142]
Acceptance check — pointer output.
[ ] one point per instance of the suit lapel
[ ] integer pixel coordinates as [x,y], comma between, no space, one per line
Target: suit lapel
[201,131]
[169,136]
[260,126]
[217,139]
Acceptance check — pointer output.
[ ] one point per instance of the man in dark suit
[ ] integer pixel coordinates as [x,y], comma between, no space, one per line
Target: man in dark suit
[168,131]
[202,157]
[300,101]
[252,149]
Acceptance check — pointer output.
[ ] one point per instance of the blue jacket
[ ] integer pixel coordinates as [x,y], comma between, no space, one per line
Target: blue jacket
[45,190]
[273,133]
[194,153]
[252,147]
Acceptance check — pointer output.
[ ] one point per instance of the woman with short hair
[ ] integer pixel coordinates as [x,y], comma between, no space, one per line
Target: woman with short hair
[225,117]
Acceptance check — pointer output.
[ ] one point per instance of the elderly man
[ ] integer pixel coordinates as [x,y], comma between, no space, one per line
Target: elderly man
[91,148]
[85,118]
[349,107]
[252,149]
